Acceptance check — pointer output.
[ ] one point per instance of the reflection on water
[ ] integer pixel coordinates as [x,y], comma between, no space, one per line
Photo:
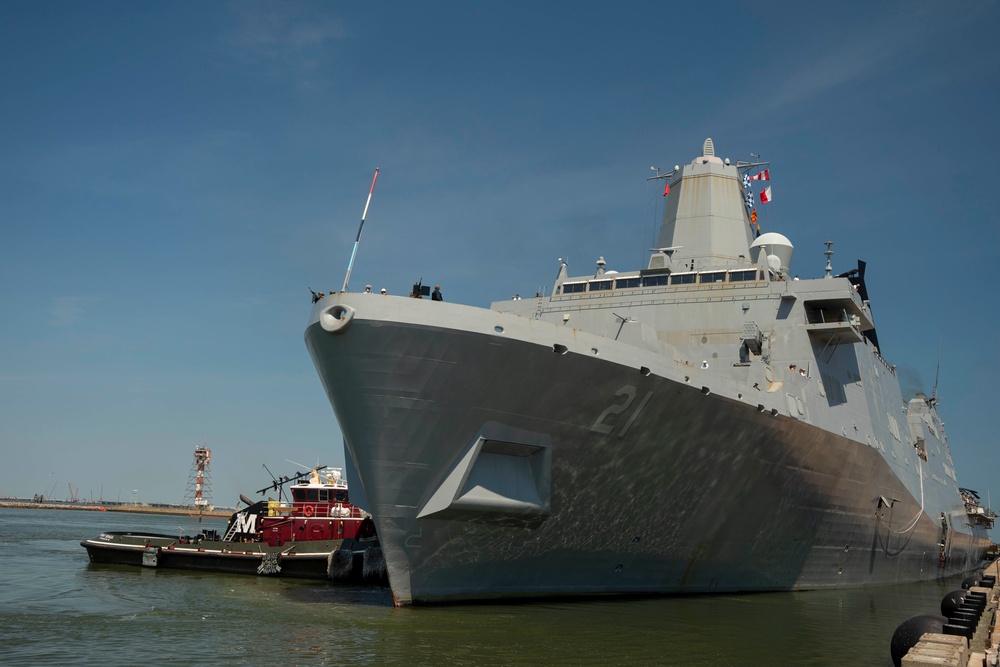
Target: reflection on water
[56,608]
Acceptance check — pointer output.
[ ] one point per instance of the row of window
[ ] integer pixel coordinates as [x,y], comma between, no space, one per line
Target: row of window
[602,284]
[320,495]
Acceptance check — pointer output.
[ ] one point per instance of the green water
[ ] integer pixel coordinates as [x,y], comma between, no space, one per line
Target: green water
[58,609]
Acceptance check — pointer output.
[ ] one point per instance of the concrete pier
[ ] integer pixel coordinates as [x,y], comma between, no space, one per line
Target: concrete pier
[220,513]
[947,650]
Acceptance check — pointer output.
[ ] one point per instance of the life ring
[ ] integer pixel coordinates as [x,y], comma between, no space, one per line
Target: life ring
[309,510]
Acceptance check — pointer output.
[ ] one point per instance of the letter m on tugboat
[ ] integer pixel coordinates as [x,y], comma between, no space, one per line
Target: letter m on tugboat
[244,522]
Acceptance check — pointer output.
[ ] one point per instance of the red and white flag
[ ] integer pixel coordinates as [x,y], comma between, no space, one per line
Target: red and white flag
[765,196]
[762,176]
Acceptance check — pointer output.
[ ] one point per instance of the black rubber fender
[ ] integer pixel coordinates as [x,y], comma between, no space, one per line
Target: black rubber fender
[952,601]
[908,634]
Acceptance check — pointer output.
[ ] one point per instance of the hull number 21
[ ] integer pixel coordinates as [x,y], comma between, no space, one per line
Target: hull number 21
[601,424]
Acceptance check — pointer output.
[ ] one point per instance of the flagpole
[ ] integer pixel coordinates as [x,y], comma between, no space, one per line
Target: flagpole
[357,241]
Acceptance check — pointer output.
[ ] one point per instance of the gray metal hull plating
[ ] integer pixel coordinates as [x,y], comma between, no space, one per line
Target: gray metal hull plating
[506,457]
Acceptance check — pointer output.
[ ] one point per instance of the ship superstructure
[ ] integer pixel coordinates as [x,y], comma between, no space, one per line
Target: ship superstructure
[707,423]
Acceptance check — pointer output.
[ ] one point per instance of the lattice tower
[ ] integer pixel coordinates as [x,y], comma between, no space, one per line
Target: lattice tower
[199,488]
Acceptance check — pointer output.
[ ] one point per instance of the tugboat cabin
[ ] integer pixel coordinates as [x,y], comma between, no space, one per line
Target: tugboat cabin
[320,509]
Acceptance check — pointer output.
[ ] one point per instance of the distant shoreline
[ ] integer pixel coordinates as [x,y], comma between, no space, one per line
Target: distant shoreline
[97,507]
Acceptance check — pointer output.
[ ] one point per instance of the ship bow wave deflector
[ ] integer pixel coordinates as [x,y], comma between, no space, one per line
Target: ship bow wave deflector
[707,423]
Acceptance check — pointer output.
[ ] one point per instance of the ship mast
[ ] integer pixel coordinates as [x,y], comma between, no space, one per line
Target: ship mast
[357,240]
[937,374]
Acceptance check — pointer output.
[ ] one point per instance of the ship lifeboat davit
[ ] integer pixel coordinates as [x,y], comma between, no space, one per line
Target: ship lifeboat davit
[778,248]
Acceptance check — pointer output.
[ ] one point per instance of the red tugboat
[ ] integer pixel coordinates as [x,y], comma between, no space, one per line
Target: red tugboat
[318,534]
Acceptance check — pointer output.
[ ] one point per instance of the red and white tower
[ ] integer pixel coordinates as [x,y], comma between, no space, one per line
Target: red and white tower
[199,488]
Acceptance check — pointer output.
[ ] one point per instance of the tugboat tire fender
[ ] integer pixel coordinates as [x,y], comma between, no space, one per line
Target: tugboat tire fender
[337,318]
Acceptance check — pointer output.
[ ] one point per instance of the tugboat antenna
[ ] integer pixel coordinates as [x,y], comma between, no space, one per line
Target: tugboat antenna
[357,240]
[277,485]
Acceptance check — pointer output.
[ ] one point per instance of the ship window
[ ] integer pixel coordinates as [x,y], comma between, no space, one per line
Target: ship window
[683,278]
[341,496]
[570,288]
[312,495]
[324,496]
[714,277]
[598,285]
[653,281]
[626,282]
[738,276]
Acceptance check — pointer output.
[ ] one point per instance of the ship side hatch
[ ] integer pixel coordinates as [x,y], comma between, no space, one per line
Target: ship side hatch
[503,476]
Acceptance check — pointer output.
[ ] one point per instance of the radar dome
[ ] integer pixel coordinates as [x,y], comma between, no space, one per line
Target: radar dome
[779,251]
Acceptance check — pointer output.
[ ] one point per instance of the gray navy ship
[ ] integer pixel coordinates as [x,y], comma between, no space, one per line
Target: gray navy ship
[709,423]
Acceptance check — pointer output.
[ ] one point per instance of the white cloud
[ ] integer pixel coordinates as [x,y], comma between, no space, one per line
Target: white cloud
[280,31]
[874,49]
[68,310]
[284,41]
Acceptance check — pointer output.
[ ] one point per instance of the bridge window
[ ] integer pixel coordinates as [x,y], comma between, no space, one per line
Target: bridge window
[714,277]
[683,278]
[739,276]
[653,281]
[598,285]
[571,288]
[626,282]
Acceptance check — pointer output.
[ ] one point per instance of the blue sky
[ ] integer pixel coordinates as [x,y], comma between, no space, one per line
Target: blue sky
[174,176]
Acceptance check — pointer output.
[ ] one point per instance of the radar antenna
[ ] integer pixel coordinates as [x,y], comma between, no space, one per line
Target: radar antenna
[280,482]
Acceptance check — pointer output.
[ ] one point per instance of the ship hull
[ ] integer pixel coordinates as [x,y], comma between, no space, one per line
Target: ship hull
[509,458]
